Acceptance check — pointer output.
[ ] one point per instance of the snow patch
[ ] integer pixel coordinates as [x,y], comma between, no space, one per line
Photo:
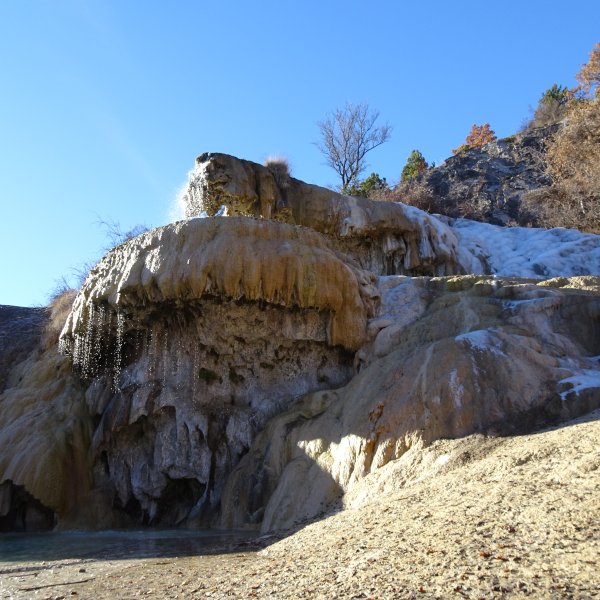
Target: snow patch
[446,237]
[585,379]
[482,340]
[525,251]
[442,459]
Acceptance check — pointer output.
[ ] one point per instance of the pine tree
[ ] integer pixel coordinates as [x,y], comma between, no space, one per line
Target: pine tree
[415,164]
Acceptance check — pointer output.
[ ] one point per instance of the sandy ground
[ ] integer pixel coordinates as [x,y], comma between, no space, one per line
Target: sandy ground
[515,517]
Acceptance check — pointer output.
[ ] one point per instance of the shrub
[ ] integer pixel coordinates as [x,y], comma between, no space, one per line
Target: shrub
[573,159]
[589,74]
[547,113]
[115,234]
[374,187]
[417,192]
[557,93]
[479,136]
[415,164]
[551,107]
[59,308]
[280,168]
[461,148]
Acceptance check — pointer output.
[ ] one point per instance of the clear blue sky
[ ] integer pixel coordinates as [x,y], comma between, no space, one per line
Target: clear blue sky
[104,104]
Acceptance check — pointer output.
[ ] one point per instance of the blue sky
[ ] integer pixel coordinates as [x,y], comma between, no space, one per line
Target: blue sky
[105,104]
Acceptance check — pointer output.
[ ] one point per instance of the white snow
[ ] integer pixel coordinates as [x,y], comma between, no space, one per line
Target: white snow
[446,238]
[526,252]
[442,459]
[482,340]
[586,378]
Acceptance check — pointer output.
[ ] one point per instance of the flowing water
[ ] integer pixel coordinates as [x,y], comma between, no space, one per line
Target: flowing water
[115,545]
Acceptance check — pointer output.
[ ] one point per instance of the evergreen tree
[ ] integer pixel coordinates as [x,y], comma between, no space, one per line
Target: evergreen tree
[368,187]
[415,164]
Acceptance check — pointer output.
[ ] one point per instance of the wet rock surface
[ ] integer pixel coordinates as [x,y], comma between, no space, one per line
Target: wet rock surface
[190,338]
[20,331]
[449,357]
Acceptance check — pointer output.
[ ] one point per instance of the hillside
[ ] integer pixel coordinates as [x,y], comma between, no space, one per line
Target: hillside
[489,183]
[301,355]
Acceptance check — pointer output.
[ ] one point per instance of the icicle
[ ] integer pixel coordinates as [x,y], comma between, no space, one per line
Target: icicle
[77,351]
[137,340]
[118,346]
[151,344]
[86,351]
[98,338]
[195,369]
[165,357]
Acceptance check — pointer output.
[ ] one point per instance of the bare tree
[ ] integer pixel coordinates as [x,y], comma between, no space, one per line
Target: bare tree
[346,137]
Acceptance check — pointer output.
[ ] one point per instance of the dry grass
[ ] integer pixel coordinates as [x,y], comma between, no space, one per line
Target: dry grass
[417,192]
[574,163]
[59,307]
[280,168]
[548,113]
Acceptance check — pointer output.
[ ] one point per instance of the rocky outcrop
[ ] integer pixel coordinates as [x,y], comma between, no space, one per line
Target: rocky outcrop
[20,331]
[190,337]
[449,357]
[384,237]
[249,371]
[488,183]
[45,430]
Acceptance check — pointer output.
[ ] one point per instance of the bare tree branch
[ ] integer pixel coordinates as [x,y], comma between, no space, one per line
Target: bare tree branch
[347,135]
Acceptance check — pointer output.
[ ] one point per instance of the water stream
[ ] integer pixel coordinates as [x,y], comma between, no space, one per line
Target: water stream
[114,545]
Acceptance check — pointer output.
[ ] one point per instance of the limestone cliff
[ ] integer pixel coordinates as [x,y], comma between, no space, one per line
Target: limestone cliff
[384,237]
[190,337]
[251,371]
[449,357]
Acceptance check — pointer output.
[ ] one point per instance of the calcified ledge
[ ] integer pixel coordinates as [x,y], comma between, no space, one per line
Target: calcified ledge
[384,237]
[234,258]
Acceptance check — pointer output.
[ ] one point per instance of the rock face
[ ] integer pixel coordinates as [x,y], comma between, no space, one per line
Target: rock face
[384,237]
[191,337]
[491,181]
[20,332]
[449,358]
[44,433]
[249,371]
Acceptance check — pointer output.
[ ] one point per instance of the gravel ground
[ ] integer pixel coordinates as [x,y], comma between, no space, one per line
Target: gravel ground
[520,517]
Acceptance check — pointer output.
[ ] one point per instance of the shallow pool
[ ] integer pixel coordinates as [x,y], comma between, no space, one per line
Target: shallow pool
[122,544]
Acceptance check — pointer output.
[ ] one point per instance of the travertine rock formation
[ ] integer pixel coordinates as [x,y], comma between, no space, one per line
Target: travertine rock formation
[386,238]
[450,357]
[191,336]
[44,435]
[250,371]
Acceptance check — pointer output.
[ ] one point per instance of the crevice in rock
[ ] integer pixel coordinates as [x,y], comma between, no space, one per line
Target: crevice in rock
[20,511]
